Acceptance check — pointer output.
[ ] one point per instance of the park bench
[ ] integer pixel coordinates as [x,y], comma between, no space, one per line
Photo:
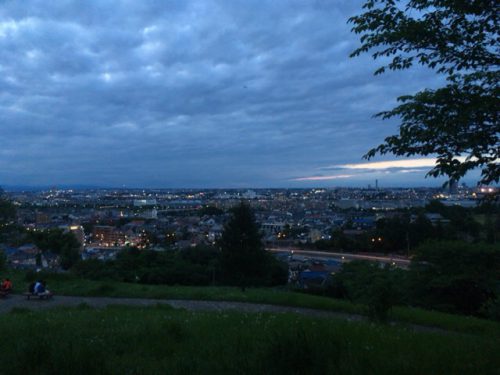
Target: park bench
[29,295]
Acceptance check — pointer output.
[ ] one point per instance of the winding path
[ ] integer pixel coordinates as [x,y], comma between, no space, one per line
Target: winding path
[19,301]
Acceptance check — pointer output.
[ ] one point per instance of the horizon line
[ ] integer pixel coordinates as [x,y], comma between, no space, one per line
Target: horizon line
[7,188]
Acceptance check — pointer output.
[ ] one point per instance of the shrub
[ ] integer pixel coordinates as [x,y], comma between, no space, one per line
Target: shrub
[379,288]
[454,276]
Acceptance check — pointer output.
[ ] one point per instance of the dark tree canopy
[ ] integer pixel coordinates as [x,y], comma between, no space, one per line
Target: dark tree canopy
[7,211]
[59,242]
[243,254]
[460,39]
[455,276]
[244,260]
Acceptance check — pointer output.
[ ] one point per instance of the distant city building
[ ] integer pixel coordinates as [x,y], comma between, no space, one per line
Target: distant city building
[346,203]
[179,217]
[150,214]
[273,228]
[107,235]
[249,194]
[41,218]
[144,202]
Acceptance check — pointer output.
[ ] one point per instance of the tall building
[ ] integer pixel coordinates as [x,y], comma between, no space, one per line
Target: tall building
[107,235]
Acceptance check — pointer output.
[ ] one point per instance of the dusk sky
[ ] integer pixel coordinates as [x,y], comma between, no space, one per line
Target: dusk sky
[234,93]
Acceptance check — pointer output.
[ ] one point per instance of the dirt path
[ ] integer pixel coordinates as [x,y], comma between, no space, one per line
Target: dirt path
[18,301]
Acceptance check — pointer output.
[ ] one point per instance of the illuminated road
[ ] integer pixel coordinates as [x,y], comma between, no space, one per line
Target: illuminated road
[397,260]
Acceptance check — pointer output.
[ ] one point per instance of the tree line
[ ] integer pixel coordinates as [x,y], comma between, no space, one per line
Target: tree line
[406,230]
[239,259]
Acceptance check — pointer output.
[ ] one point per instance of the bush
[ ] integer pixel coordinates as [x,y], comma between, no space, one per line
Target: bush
[491,309]
[379,288]
[198,266]
[61,243]
[454,276]
[95,270]
[380,298]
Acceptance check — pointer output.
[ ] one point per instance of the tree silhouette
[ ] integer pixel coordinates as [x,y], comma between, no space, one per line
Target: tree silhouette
[243,256]
[459,39]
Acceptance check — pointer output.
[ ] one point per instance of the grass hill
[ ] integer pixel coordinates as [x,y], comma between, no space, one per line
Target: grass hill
[158,340]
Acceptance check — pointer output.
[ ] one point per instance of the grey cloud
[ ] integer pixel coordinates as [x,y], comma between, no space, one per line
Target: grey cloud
[186,93]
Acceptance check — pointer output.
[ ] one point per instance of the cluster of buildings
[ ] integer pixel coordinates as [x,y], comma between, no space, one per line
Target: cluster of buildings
[104,221]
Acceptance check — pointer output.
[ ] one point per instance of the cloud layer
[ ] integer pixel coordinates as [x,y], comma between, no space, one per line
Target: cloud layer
[188,93]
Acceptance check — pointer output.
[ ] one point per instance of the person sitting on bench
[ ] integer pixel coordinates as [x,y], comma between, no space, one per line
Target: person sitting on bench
[40,289]
[37,287]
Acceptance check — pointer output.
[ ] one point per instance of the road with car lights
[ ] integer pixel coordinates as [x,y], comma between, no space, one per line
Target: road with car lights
[396,260]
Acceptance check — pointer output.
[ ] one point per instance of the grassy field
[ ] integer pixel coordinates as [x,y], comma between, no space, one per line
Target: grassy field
[160,340]
[68,285]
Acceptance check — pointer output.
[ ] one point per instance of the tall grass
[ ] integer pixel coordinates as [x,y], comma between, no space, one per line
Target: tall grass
[159,340]
[66,284]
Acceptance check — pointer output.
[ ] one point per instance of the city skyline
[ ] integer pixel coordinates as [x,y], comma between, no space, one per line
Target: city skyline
[230,94]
